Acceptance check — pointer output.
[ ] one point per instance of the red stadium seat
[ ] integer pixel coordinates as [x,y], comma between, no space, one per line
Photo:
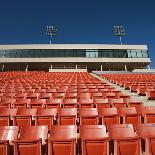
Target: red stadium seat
[67,116]
[30,140]
[94,140]
[45,117]
[24,117]
[109,116]
[21,103]
[146,131]
[6,116]
[130,115]
[62,140]
[70,103]
[54,103]
[101,103]
[45,95]
[7,135]
[118,103]
[126,141]
[37,103]
[88,116]
[7,102]
[86,103]
[148,113]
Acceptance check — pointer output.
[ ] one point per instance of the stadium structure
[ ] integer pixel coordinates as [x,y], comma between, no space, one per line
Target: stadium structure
[73,56]
[76,99]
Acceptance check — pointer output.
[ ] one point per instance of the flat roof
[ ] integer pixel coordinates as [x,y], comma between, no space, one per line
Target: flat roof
[73,46]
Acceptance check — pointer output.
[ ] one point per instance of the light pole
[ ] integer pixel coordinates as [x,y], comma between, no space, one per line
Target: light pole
[119,31]
[51,31]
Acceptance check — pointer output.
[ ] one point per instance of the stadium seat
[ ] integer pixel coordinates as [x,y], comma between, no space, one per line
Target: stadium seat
[30,140]
[126,141]
[118,103]
[109,116]
[88,116]
[24,117]
[7,102]
[101,103]
[148,113]
[67,116]
[130,115]
[62,140]
[37,103]
[94,140]
[21,103]
[147,132]
[134,103]
[45,95]
[6,115]
[7,135]
[70,103]
[53,103]
[86,103]
[45,117]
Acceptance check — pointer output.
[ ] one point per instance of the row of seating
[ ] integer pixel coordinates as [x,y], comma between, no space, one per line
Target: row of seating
[69,103]
[122,139]
[74,116]
[143,84]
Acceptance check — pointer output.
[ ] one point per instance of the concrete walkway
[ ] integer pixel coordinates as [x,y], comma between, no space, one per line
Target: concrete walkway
[133,95]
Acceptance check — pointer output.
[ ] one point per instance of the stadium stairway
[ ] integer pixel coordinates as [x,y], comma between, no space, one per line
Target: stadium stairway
[133,95]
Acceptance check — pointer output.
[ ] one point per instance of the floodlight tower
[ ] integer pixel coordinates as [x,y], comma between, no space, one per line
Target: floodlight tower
[51,31]
[119,31]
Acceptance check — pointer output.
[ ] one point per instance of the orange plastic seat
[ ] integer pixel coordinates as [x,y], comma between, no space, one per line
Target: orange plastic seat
[62,140]
[32,95]
[150,94]
[148,113]
[126,141]
[59,95]
[101,103]
[45,117]
[37,103]
[6,116]
[97,95]
[67,116]
[70,103]
[21,103]
[147,132]
[94,140]
[24,117]
[134,103]
[130,115]
[30,140]
[7,135]
[118,103]
[88,116]
[45,95]
[54,103]
[7,102]
[71,95]
[109,95]
[20,95]
[86,103]
[109,116]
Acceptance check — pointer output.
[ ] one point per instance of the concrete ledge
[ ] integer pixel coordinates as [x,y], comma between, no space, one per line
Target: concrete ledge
[67,70]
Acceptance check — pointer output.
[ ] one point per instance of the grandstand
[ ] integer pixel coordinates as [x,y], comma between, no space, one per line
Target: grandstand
[70,111]
[73,57]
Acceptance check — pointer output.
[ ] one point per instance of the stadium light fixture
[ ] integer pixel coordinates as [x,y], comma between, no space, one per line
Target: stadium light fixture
[119,31]
[51,31]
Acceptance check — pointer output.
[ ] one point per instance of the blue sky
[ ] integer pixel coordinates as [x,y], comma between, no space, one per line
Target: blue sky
[78,21]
